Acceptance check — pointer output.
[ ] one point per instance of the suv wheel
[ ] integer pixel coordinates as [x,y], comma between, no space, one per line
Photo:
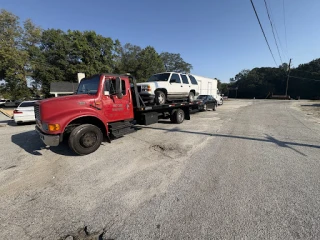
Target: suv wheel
[160,98]
[191,97]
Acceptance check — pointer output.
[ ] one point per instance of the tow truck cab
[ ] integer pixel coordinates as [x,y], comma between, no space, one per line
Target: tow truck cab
[104,106]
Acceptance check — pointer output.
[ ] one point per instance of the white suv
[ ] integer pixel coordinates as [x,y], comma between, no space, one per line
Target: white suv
[168,86]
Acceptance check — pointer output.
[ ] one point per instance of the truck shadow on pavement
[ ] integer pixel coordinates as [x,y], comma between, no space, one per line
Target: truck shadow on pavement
[268,139]
[31,143]
[311,105]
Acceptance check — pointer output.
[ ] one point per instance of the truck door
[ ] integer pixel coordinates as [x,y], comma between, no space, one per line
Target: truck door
[117,109]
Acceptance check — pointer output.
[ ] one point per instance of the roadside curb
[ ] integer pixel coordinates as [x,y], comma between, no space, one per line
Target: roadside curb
[6,113]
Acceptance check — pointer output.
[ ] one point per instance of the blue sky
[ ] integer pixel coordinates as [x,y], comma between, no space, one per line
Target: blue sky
[219,38]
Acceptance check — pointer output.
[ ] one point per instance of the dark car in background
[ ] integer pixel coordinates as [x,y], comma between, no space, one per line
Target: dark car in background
[206,102]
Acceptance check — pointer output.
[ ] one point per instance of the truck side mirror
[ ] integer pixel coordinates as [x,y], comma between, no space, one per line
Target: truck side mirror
[119,88]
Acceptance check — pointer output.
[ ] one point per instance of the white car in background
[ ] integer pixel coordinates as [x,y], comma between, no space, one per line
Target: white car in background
[24,112]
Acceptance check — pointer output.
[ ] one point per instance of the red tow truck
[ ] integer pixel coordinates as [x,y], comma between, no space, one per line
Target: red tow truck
[105,106]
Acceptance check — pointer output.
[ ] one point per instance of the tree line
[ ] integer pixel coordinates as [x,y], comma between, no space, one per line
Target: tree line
[303,82]
[31,54]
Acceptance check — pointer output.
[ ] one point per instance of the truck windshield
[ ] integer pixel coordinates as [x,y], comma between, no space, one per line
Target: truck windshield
[159,77]
[89,86]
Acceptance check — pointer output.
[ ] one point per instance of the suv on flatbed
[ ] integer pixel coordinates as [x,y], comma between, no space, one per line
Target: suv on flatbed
[168,86]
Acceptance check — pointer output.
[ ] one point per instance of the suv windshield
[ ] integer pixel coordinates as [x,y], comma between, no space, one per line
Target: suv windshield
[89,85]
[159,77]
[27,104]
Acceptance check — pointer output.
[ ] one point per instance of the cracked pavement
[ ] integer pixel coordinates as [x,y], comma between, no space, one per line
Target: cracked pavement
[249,170]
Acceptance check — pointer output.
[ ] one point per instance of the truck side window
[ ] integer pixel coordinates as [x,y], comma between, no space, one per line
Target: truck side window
[176,78]
[184,79]
[110,85]
[123,85]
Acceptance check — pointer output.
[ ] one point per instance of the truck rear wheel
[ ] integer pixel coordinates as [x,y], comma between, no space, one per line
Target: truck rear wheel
[177,116]
[85,139]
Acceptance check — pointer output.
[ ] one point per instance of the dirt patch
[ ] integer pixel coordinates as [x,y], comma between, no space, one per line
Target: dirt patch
[170,151]
[83,234]
[310,108]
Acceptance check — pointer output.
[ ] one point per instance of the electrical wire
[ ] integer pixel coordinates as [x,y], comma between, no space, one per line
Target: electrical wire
[284,54]
[285,25]
[263,32]
[275,40]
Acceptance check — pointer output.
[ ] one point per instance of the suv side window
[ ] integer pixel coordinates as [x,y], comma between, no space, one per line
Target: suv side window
[193,80]
[175,77]
[184,79]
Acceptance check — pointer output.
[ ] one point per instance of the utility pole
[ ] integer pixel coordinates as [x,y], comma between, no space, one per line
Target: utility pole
[288,74]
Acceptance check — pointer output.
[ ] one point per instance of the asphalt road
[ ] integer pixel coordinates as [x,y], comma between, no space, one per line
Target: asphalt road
[251,170]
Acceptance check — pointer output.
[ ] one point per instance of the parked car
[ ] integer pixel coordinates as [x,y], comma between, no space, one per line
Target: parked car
[168,86]
[24,112]
[12,103]
[2,102]
[207,101]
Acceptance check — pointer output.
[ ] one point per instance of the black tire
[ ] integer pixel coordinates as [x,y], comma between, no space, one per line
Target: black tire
[214,107]
[177,116]
[160,98]
[85,139]
[191,97]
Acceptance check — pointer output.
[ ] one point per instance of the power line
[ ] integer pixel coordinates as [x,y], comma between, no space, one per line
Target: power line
[263,32]
[284,54]
[265,3]
[285,25]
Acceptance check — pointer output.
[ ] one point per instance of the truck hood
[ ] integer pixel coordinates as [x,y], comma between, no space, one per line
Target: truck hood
[66,99]
[147,83]
[51,106]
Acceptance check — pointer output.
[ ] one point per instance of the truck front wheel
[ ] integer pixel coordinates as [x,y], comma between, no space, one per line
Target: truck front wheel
[85,139]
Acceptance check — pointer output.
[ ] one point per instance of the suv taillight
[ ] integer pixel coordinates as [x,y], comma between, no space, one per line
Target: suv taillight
[16,112]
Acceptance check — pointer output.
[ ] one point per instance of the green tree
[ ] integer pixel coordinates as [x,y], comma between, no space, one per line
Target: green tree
[64,54]
[127,60]
[174,63]
[149,63]
[17,48]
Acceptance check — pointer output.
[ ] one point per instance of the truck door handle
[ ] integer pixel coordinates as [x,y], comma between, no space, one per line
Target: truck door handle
[181,86]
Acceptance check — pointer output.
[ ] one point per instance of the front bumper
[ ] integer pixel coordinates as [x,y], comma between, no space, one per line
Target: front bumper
[147,97]
[49,140]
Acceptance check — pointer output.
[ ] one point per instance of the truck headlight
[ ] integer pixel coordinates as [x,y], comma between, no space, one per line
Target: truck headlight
[54,127]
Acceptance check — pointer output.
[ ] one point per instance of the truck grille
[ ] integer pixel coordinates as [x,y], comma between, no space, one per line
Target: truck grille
[37,111]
